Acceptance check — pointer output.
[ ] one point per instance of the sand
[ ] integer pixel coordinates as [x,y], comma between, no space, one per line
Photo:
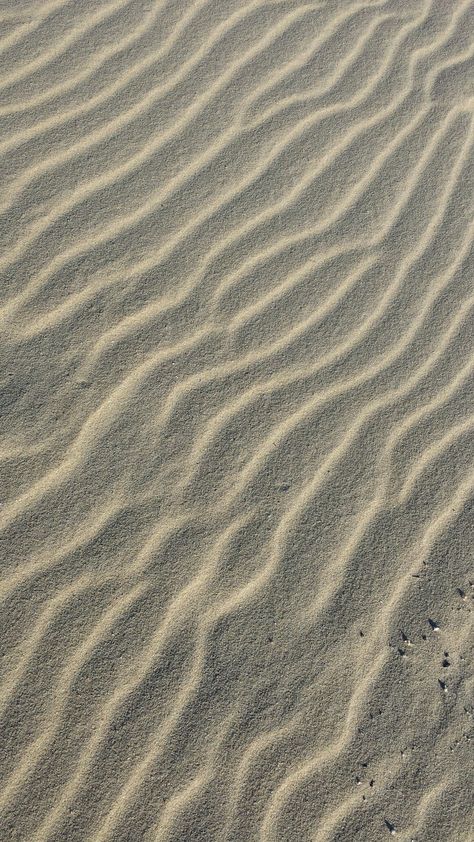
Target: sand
[237,420]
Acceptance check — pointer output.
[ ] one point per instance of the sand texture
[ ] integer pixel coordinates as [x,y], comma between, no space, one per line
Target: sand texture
[237,420]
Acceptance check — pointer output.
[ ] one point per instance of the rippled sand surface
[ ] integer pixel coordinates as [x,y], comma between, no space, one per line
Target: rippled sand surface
[236,444]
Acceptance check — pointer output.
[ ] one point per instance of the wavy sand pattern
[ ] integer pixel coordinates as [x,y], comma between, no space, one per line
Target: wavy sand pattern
[237,438]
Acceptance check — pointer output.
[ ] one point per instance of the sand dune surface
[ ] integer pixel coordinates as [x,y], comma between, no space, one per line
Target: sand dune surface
[237,420]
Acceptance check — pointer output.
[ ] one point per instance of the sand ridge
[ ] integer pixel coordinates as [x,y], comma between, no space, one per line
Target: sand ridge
[236,445]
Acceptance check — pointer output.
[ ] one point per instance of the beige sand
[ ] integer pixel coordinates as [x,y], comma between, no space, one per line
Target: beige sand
[237,420]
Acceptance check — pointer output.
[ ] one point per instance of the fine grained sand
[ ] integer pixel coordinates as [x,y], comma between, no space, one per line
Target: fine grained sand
[237,420]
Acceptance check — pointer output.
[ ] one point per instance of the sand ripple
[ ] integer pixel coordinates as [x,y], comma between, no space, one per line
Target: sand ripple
[237,442]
